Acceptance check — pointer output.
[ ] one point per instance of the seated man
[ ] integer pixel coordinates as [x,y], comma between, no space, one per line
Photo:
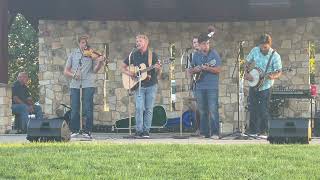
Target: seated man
[22,104]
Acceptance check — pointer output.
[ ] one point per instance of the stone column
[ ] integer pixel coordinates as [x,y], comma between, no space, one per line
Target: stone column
[4,41]
[5,108]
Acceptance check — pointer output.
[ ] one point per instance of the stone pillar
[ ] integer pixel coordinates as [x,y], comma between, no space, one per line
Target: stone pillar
[4,41]
[5,108]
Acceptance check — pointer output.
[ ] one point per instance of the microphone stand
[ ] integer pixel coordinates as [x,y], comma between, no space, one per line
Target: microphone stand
[78,70]
[238,134]
[181,136]
[130,136]
[191,88]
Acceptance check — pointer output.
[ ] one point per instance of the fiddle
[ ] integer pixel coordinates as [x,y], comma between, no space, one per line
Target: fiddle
[89,52]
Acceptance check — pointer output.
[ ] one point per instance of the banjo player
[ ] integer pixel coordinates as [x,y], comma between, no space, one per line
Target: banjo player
[268,67]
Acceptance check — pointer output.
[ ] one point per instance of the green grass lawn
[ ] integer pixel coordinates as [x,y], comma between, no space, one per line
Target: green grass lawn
[158,161]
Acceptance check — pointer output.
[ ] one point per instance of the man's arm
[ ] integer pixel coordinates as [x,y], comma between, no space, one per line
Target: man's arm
[124,69]
[213,70]
[247,68]
[67,70]
[17,100]
[277,65]
[100,63]
[275,75]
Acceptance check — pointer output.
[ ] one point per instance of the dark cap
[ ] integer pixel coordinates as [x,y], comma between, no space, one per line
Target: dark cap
[203,37]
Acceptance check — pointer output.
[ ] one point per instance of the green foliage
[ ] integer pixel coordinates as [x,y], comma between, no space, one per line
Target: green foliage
[158,161]
[23,53]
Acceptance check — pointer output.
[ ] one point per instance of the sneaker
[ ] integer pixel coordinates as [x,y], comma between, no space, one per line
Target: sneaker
[87,135]
[204,136]
[138,135]
[146,135]
[74,134]
[196,134]
[262,135]
[216,137]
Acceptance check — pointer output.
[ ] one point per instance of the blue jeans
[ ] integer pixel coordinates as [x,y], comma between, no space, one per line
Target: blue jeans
[22,112]
[259,110]
[208,105]
[87,104]
[144,107]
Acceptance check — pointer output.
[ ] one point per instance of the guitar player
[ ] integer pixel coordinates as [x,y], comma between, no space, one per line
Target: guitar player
[259,96]
[207,88]
[145,98]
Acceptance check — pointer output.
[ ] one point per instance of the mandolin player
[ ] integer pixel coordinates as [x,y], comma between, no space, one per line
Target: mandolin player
[267,61]
[146,95]
[207,87]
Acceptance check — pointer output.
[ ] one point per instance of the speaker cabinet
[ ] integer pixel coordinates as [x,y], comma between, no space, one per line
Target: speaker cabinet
[289,130]
[55,129]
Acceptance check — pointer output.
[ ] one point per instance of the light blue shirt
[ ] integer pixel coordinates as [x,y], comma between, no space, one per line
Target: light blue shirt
[261,62]
[208,80]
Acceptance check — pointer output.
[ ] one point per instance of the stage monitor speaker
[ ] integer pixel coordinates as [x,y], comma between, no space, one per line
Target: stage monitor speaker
[55,129]
[289,130]
[316,124]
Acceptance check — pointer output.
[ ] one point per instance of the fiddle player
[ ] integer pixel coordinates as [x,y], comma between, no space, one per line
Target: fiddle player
[81,68]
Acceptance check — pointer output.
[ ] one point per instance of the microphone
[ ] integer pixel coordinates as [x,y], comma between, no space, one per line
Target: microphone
[134,49]
[211,31]
[241,53]
[210,34]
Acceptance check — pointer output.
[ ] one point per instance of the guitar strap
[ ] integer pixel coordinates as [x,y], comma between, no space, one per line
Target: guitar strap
[149,57]
[149,61]
[268,64]
[269,61]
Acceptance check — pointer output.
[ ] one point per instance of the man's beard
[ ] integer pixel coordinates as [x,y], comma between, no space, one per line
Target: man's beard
[205,50]
[264,52]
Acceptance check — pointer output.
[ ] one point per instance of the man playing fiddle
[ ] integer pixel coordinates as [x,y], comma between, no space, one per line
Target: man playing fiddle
[81,69]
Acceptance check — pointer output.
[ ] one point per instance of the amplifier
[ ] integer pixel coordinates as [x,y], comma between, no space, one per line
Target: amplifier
[55,129]
[289,130]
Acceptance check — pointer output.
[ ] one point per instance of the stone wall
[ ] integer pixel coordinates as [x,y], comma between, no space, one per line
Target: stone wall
[5,108]
[58,38]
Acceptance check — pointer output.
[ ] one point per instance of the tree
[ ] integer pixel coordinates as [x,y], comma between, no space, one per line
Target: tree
[23,53]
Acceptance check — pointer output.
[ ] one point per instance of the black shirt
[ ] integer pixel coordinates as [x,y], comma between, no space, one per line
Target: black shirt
[138,58]
[21,91]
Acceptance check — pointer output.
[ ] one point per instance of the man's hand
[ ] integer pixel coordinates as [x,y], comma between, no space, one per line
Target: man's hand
[29,101]
[158,66]
[131,74]
[195,70]
[206,68]
[100,59]
[275,75]
[272,76]
[76,76]
[30,109]
[248,77]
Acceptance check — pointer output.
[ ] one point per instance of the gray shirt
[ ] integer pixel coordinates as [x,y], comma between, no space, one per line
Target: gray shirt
[87,73]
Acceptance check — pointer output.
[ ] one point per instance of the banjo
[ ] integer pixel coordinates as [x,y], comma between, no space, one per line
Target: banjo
[259,76]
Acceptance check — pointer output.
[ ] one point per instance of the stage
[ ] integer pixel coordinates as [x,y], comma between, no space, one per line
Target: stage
[156,138]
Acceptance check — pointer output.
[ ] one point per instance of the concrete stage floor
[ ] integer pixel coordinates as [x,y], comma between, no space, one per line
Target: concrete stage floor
[159,138]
